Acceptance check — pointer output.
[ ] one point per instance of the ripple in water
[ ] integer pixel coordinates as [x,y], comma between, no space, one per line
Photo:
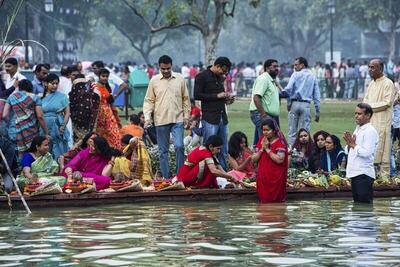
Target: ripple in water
[308,233]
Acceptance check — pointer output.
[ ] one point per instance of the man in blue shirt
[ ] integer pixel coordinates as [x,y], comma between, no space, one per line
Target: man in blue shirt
[41,72]
[300,91]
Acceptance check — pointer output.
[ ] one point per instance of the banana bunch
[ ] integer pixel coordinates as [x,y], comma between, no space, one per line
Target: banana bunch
[336,180]
[383,180]
[317,181]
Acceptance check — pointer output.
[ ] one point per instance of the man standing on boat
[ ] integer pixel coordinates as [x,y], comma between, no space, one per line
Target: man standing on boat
[380,95]
[168,98]
[209,89]
[361,148]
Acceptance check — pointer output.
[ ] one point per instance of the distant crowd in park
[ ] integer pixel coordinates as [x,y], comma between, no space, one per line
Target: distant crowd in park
[347,79]
[62,128]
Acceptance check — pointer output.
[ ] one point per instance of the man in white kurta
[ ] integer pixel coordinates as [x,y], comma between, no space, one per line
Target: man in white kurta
[380,96]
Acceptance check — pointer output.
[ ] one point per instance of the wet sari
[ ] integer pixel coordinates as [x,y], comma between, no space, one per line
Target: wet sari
[23,125]
[53,106]
[272,176]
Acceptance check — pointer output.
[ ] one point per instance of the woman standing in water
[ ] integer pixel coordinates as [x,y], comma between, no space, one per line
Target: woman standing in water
[272,158]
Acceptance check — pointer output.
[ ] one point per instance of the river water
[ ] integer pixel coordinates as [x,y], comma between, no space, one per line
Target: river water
[307,233]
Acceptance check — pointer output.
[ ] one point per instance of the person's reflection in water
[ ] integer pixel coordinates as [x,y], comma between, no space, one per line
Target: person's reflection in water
[273,213]
[198,226]
[364,223]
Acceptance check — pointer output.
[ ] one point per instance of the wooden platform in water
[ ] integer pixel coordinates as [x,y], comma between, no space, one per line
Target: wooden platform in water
[92,199]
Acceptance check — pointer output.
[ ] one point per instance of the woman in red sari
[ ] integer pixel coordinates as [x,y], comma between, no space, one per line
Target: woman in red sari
[201,167]
[107,118]
[272,158]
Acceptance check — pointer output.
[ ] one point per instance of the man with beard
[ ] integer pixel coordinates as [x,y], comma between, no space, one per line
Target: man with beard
[265,97]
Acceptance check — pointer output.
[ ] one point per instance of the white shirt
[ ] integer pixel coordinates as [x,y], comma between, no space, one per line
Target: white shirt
[65,85]
[249,73]
[185,72]
[363,71]
[361,158]
[259,69]
[10,80]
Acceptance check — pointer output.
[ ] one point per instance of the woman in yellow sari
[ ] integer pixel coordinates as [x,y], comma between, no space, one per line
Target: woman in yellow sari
[135,162]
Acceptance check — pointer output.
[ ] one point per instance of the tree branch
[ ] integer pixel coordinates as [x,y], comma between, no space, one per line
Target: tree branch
[160,43]
[280,41]
[232,12]
[153,28]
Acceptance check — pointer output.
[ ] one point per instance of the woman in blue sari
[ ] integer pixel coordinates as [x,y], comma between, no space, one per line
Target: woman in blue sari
[55,106]
[334,156]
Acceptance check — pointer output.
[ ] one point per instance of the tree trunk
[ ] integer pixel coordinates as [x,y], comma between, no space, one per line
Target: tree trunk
[392,45]
[146,56]
[35,34]
[210,45]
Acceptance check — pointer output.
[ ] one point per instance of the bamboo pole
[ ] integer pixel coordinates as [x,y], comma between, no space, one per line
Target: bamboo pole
[15,182]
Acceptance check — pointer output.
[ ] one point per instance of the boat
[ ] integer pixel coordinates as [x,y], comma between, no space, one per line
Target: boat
[100,198]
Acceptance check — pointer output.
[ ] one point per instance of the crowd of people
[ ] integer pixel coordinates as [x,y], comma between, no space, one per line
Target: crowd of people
[64,127]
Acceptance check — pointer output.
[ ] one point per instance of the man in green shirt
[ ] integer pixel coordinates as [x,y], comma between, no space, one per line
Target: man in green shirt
[265,97]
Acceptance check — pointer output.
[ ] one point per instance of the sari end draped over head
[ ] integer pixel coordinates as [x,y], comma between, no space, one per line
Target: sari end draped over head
[84,104]
[23,106]
[45,168]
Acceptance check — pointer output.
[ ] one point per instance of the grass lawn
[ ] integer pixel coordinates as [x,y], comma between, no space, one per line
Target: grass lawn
[336,117]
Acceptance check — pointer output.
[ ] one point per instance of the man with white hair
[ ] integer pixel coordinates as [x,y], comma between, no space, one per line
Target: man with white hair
[380,96]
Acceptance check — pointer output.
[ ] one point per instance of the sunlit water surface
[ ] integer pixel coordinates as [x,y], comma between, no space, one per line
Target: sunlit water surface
[308,233]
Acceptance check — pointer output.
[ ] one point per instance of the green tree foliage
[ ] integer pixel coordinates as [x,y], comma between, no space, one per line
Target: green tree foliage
[133,27]
[298,27]
[206,16]
[380,16]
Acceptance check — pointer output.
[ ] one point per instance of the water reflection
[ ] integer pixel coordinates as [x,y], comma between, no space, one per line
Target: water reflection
[311,233]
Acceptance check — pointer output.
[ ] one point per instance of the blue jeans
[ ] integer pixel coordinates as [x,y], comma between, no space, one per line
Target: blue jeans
[221,130]
[350,84]
[299,117]
[163,137]
[393,170]
[257,120]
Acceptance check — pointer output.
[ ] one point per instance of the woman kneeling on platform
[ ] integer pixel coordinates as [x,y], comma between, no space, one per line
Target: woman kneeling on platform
[94,162]
[201,167]
[135,162]
[38,165]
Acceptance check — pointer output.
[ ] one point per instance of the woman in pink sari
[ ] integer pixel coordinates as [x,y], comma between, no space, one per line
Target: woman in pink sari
[239,155]
[95,162]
